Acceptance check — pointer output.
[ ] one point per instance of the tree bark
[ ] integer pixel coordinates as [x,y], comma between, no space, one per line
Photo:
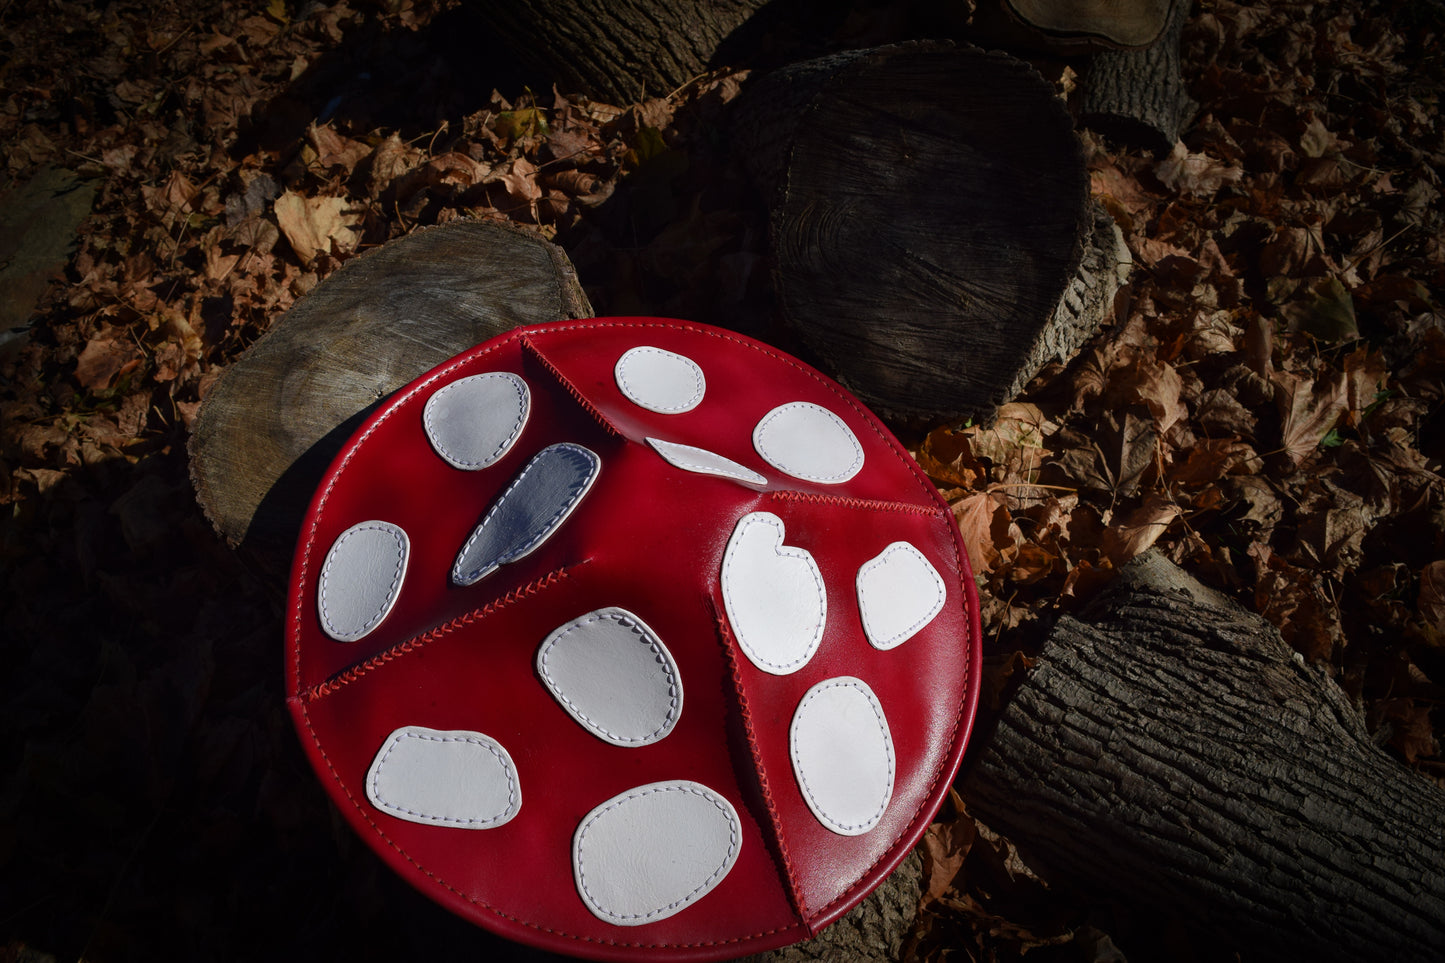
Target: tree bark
[874,931]
[618,51]
[933,211]
[1138,96]
[269,427]
[1169,751]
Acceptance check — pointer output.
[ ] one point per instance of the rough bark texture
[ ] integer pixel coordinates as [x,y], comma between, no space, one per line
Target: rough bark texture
[1169,751]
[874,931]
[619,51]
[1138,96]
[934,209]
[1086,302]
[273,421]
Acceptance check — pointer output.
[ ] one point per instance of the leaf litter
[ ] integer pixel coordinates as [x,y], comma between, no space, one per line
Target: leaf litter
[1267,411]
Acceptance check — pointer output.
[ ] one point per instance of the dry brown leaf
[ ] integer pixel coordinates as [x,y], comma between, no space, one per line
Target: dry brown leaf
[1197,174]
[987,528]
[335,150]
[315,225]
[1432,594]
[1141,528]
[947,457]
[1307,412]
[107,356]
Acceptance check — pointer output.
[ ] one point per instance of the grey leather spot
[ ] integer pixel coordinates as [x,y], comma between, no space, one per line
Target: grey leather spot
[526,514]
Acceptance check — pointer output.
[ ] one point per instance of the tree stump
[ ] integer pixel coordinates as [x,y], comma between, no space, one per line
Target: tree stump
[271,424]
[1169,751]
[933,208]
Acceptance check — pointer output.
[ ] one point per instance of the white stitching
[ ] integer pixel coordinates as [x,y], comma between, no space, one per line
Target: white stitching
[830,820]
[575,495]
[674,453]
[523,409]
[640,398]
[658,650]
[734,842]
[729,561]
[485,742]
[394,589]
[778,462]
[903,635]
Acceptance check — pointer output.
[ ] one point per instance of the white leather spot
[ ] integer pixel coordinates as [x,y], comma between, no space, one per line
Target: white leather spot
[460,779]
[773,595]
[843,755]
[474,421]
[899,592]
[660,380]
[705,462]
[650,852]
[526,514]
[808,442]
[614,676]
[361,579]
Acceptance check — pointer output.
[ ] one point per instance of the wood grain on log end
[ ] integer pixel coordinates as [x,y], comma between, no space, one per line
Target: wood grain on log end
[271,424]
[1170,753]
[934,211]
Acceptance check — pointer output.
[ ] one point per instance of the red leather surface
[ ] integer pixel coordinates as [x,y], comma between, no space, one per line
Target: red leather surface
[650,538]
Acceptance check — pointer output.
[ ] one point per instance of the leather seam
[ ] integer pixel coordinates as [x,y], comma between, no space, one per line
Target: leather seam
[789,874]
[349,675]
[535,351]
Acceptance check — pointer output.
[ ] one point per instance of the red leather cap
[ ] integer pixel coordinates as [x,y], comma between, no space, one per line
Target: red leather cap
[633,638]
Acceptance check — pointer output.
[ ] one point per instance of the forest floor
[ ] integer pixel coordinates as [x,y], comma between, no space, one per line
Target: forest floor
[1268,408]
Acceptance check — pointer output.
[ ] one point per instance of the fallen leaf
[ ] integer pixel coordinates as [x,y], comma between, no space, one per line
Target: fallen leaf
[1307,410]
[314,225]
[1432,594]
[1141,528]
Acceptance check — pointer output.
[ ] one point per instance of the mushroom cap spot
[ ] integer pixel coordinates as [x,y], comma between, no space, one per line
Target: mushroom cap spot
[773,594]
[809,442]
[649,853]
[612,674]
[456,778]
[899,592]
[659,380]
[361,579]
[474,421]
[843,755]
[704,462]
[528,511]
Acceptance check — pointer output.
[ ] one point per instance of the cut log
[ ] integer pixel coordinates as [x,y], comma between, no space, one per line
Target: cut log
[618,52]
[1111,23]
[1138,97]
[271,424]
[1170,752]
[933,210]
[874,931]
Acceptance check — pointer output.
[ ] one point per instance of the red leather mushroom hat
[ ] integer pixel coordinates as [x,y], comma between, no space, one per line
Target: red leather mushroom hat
[633,638]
